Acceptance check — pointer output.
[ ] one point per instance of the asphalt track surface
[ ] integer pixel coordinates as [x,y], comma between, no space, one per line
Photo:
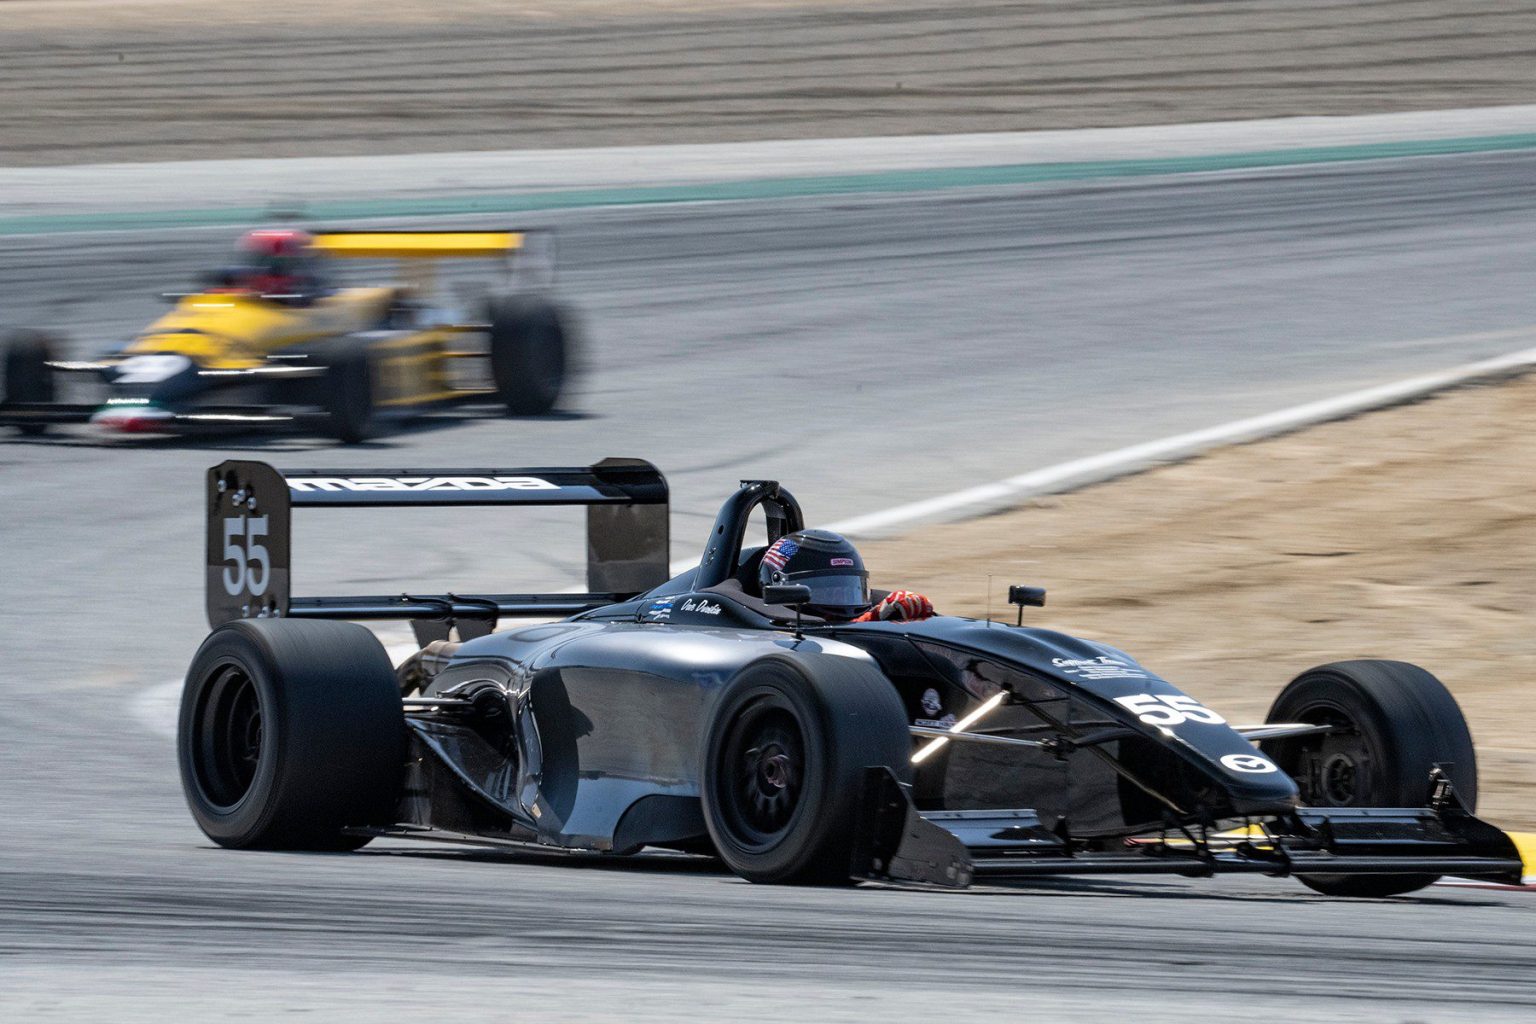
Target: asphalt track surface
[864,351]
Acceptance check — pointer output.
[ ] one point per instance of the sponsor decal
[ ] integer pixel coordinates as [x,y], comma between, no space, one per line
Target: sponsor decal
[932,704]
[660,610]
[778,556]
[1099,668]
[947,722]
[1252,764]
[698,604]
[842,561]
[420,483]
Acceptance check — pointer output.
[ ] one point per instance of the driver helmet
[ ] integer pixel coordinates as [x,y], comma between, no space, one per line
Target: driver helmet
[275,259]
[824,561]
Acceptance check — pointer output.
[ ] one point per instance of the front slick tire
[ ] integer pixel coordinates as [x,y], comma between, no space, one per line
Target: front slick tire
[531,353]
[349,391]
[1398,722]
[788,743]
[290,732]
[27,377]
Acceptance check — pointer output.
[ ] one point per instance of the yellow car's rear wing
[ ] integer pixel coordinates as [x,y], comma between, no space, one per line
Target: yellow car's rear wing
[529,255]
[419,244]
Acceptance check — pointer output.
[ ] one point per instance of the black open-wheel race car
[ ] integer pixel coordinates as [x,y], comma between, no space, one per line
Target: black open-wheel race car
[706,714]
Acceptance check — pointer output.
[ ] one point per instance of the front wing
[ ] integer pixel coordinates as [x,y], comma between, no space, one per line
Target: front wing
[954,848]
[413,370]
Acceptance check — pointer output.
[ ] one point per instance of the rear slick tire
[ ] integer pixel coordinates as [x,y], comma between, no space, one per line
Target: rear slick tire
[788,742]
[290,732]
[1400,723]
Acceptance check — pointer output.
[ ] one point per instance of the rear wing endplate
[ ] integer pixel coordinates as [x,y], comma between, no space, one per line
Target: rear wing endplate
[250,504]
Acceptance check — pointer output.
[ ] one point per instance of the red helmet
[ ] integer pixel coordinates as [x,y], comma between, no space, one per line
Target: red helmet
[275,262]
[269,243]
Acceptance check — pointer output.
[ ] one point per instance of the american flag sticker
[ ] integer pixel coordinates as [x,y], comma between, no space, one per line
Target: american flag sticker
[779,555]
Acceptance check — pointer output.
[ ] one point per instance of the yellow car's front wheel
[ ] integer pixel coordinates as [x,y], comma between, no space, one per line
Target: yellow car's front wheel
[348,390]
[530,353]
[28,377]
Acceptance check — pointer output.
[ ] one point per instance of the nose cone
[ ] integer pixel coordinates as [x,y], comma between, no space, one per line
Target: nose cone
[1264,804]
[1255,785]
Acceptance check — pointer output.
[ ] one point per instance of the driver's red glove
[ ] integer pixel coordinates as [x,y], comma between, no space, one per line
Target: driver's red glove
[899,606]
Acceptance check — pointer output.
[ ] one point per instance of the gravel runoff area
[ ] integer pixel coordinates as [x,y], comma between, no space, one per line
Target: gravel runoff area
[1408,533]
[145,80]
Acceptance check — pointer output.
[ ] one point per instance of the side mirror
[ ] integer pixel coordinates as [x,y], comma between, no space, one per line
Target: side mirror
[1027,597]
[796,595]
[788,594]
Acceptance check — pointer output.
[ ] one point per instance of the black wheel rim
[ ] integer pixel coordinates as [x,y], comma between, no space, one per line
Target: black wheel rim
[230,736]
[1332,770]
[761,773]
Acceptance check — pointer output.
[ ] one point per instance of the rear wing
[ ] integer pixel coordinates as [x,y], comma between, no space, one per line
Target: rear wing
[419,244]
[250,504]
[529,254]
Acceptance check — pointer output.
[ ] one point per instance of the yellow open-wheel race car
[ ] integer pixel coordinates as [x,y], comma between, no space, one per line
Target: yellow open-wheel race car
[271,343]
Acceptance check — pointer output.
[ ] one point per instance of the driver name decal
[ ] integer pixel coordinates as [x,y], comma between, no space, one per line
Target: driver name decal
[1103,667]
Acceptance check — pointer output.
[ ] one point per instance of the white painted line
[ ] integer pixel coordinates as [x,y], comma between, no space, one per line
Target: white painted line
[1077,473]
